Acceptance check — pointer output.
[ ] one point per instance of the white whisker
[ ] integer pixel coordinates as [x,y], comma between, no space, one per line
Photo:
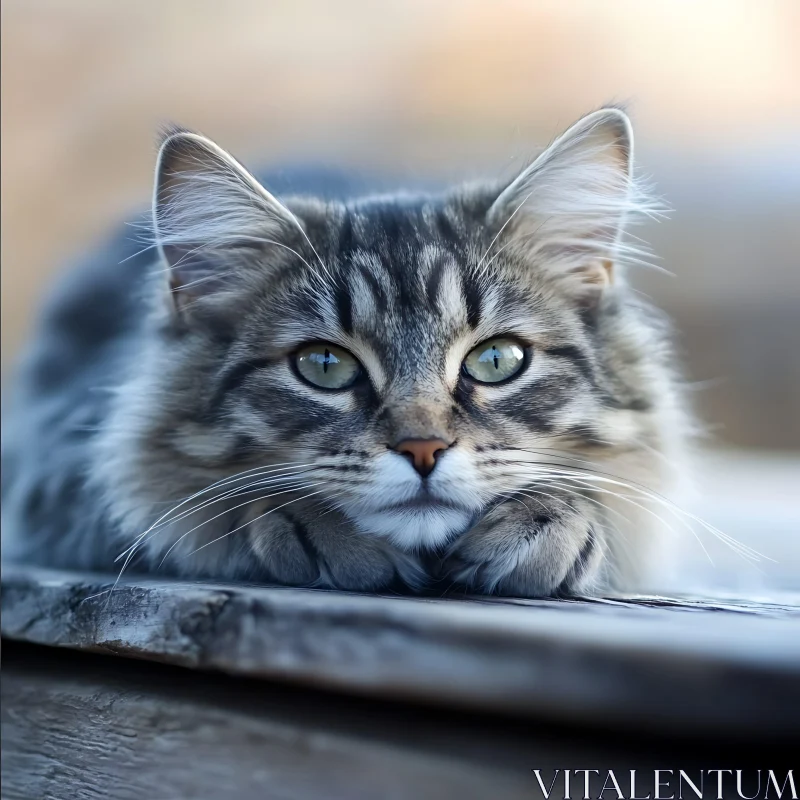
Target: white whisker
[590,480]
[255,519]
[298,487]
[211,487]
[503,227]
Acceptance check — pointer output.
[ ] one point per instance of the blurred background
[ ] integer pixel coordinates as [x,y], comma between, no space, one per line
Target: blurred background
[438,89]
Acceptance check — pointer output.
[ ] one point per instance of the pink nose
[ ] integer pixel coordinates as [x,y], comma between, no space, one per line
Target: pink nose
[422,453]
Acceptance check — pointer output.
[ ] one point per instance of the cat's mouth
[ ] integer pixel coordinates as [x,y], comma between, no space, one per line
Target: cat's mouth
[422,521]
[422,503]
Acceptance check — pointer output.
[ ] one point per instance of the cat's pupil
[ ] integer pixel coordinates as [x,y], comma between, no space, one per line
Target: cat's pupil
[326,360]
[495,357]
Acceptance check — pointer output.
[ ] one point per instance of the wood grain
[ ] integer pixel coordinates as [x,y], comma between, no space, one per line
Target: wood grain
[79,726]
[90,731]
[644,665]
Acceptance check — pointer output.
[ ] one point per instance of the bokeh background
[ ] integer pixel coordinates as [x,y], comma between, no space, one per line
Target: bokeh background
[436,89]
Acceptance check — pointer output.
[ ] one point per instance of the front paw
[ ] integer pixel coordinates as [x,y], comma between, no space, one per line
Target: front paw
[324,551]
[525,550]
[281,553]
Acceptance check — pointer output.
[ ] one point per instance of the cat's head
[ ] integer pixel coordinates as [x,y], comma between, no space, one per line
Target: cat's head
[408,357]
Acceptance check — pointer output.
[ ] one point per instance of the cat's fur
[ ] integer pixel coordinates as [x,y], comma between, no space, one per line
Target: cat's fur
[153,379]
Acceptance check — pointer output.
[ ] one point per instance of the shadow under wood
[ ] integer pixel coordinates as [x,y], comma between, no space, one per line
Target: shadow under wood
[120,728]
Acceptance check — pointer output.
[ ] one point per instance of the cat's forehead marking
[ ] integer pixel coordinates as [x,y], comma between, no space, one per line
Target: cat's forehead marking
[411,305]
[442,287]
[366,280]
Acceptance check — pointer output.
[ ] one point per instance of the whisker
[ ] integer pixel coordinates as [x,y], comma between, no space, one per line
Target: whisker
[588,480]
[505,224]
[134,550]
[516,240]
[255,519]
[261,483]
[583,480]
[584,496]
[296,488]
[211,487]
[649,511]
[679,513]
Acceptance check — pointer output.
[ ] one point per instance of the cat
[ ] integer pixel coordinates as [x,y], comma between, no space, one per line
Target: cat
[367,392]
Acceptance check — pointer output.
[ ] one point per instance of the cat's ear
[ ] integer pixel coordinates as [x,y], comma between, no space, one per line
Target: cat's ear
[212,219]
[566,211]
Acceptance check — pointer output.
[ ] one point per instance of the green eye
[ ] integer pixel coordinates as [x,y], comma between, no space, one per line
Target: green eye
[327,366]
[495,360]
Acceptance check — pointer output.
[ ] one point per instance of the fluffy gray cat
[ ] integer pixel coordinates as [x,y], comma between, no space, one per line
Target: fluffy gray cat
[361,392]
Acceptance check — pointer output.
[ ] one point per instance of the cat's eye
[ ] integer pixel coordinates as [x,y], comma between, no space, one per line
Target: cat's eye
[495,360]
[327,366]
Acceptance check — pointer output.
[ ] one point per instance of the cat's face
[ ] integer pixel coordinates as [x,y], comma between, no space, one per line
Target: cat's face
[417,349]
[409,358]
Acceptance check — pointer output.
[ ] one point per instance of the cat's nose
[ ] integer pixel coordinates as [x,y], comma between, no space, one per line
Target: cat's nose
[422,453]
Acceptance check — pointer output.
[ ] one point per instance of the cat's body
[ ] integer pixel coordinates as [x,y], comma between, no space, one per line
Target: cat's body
[358,393]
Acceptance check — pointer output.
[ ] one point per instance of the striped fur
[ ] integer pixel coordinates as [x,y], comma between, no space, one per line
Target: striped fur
[305,488]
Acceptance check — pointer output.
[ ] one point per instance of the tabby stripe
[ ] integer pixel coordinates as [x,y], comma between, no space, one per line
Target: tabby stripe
[234,376]
[575,355]
[581,564]
[291,411]
[446,229]
[304,539]
[346,243]
[434,281]
[472,298]
[377,290]
[344,306]
[545,399]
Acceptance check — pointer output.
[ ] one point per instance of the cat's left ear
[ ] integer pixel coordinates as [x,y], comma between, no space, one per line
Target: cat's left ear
[566,211]
[212,220]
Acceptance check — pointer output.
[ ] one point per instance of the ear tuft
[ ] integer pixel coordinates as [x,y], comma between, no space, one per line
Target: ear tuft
[567,211]
[208,213]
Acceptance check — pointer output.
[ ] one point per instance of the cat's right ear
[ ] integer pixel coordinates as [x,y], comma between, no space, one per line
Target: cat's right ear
[212,220]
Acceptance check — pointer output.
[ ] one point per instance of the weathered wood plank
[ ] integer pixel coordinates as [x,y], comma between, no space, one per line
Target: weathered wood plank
[89,730]
[629,665]
[80,726]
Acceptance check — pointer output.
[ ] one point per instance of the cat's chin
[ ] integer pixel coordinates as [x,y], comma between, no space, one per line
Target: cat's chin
[417,527]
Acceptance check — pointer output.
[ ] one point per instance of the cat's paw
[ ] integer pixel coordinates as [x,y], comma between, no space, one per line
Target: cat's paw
[327,553]
[528,550]
[281,551]
[358,562]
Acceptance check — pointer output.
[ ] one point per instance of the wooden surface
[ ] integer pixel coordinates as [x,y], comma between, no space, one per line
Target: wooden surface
[132,733]
[78,726]
[650,665]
